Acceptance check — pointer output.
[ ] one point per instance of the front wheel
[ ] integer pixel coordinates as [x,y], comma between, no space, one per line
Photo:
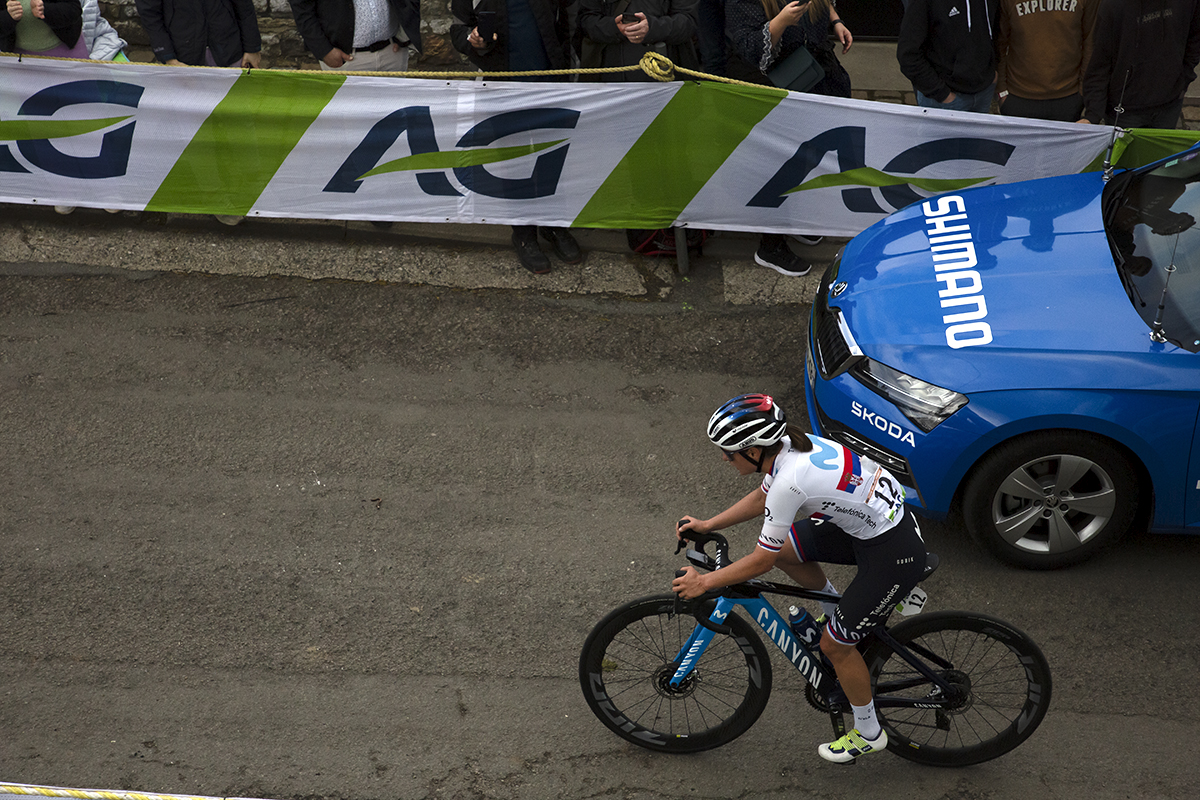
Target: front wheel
[1052,499]
[627,664]
[1000,688]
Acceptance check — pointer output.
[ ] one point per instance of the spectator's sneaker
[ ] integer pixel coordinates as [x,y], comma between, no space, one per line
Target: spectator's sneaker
[563,244]
[808,241]
[778,256]
[531,256]
[71,209]
[851,746]
[228,219]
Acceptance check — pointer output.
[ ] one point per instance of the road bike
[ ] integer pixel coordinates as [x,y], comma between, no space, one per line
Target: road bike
[951,688]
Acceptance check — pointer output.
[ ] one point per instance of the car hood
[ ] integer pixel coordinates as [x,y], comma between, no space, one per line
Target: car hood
[1039,296]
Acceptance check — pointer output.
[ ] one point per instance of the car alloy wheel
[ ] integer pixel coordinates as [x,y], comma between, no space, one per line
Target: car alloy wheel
[1051,499]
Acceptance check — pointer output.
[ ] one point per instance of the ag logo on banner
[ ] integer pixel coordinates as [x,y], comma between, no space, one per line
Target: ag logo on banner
[894,181]
[469,162]
[35,137]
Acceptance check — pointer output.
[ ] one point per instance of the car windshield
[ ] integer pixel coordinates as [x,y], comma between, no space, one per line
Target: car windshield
[1151,218]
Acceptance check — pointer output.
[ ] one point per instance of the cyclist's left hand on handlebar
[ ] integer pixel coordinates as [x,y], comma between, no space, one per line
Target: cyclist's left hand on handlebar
[688,523]
[689,585]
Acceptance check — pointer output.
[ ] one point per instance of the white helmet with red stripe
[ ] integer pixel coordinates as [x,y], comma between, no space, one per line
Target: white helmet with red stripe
[748,420]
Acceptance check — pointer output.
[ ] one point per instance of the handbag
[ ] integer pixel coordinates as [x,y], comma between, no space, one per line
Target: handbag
[799,72]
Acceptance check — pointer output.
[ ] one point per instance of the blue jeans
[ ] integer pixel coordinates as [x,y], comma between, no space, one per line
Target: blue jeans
[980,102]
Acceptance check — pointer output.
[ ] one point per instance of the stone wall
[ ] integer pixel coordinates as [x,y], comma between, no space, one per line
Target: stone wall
[282,46]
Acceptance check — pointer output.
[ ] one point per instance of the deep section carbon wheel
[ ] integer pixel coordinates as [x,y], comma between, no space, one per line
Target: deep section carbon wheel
[999,688]
[626,667]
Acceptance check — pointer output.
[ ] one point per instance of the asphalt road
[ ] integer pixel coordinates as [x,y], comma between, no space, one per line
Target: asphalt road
[280,538]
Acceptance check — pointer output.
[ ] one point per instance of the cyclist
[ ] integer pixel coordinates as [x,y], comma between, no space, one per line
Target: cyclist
[851,511]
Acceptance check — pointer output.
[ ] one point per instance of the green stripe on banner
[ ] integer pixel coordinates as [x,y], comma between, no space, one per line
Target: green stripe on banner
[242,144]
[869,176]
[636,195]
[459,158]
[1147,145]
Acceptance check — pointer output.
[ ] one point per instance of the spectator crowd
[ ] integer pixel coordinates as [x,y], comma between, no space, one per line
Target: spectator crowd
[1126,62]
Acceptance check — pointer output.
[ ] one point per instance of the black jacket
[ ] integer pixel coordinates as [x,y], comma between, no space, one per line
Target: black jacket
[326,24]
[672,30]
[751,55]
[181,29]
[1157,42]
[65,18]
[946,46]
[550,16]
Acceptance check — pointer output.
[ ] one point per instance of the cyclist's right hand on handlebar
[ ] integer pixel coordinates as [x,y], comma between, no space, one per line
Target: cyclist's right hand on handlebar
[688,584]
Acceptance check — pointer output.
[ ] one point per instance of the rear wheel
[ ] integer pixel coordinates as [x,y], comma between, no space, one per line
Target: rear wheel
[627,664]
[1051,500]
[1000,688]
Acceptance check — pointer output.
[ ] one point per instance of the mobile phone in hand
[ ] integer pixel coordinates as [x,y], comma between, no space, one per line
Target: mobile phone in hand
[628,18]
[486,25]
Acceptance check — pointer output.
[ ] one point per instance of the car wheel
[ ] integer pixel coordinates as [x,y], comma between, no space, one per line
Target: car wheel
[1051,499]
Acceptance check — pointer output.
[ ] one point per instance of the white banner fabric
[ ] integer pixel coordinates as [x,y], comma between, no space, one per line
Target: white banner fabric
[329,146]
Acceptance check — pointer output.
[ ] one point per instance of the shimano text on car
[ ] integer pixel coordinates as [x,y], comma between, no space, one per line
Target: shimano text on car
[954,256]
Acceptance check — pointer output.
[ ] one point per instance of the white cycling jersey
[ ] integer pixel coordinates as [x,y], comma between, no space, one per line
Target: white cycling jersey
[829,482]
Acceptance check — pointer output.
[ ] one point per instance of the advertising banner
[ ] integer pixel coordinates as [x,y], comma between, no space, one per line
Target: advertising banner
[331,146]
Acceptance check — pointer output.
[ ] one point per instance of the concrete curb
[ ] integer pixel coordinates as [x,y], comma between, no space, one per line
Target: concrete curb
[467,257]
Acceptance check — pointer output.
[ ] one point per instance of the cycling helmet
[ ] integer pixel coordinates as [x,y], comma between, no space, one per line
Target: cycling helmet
[748,420]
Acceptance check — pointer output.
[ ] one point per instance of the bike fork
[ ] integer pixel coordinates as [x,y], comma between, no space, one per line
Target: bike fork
[697,643]
[689,654]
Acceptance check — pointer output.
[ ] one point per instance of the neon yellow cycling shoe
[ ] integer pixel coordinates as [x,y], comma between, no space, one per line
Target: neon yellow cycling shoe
[851,746]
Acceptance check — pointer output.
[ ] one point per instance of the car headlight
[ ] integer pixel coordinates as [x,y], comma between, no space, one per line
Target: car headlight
[926,405]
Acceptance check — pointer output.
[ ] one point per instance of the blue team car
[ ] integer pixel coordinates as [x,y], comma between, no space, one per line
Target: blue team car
[1025,354]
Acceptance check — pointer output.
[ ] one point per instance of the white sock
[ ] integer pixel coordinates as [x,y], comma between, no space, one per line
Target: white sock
[828,607]
[866,721]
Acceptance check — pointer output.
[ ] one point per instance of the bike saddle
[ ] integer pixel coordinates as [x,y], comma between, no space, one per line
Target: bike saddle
[931,563]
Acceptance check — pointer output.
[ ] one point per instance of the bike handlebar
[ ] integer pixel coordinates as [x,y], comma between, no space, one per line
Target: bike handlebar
[701,539]
[705,561]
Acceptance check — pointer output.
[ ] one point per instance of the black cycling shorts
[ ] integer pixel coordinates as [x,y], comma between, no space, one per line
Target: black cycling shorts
[889,566]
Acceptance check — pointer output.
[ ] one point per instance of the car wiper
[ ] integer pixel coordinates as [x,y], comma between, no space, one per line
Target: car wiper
[1114,196]
[1126,276]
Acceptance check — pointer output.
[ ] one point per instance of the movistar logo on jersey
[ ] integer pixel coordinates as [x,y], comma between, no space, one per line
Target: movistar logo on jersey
[823,456]
[895,182]
[468,161]
[35,136]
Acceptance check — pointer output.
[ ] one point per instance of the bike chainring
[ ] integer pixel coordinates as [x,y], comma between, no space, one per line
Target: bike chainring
[815,699]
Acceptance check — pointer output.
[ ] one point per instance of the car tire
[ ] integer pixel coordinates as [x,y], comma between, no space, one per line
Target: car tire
[1051,499]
